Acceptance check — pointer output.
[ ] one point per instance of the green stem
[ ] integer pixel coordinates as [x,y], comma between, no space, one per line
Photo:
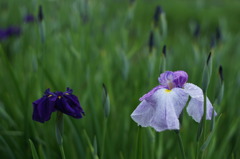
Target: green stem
[139,144]
[59,132]
[104,136]
[204,115]
[62,151]
[197,150]
[204,120]
[181,145]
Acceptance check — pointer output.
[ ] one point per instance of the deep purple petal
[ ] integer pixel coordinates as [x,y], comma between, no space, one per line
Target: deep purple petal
[180,78]
[145,96]
[69,90]
[42,109]
[70,105]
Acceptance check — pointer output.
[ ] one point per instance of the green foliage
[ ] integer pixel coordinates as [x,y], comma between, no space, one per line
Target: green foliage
[87,43]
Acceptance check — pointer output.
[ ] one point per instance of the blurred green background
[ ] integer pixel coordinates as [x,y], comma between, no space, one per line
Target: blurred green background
[82,44]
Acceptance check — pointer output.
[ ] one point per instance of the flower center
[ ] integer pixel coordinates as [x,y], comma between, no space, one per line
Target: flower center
[168,90]
[171,85]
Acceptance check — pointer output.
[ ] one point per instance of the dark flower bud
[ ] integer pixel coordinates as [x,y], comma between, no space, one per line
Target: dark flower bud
[151,41]
[40,14]
[218,34]
[156,16]
[209,57]
[106,101]
[131,1]
[220,71]
[213,42]
[196,32]
[207,72]
[164,50]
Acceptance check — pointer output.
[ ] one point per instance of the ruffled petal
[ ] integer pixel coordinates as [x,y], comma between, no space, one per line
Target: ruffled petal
[161,110]
[166,79]
[180,78]
[196,104]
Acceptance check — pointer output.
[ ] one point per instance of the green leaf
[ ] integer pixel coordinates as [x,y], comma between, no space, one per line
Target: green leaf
[91,147]
[95,146]
[34,152]
[206,143]
[207,72]
[200,130]
[106,101]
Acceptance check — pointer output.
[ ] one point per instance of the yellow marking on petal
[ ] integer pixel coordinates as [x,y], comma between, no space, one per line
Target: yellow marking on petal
[49,95]
[168,90]
[66,93]
[59,97]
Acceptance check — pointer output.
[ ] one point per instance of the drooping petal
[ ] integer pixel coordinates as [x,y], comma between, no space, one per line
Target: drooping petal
[196,104]
[143,114]
[43,108]
[70,105]
[145,96]
[161,110]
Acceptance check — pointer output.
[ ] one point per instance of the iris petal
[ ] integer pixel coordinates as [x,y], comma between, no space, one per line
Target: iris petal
[145,96]
[196,104]
[161,110]
[70,105]
[180,78]
[43,108]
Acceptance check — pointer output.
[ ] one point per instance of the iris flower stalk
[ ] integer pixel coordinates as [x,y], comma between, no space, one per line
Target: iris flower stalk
[207,72]
[41,24]
[62,103]
[159,21]
[161,107]
[152,53]
[106,106]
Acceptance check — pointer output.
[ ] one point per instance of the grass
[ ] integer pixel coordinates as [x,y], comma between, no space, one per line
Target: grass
[107,42]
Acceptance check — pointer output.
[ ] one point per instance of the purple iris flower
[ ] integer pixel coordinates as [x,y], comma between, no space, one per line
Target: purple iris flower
[13,30]
[160,108]
[3,34]
[10,31]
[64,102]
[29,18]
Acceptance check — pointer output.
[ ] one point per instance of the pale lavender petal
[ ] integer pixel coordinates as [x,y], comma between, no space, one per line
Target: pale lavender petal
[161,110]
[196,104]
[143,114]
[179,98]
[180,78]
[145,96]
